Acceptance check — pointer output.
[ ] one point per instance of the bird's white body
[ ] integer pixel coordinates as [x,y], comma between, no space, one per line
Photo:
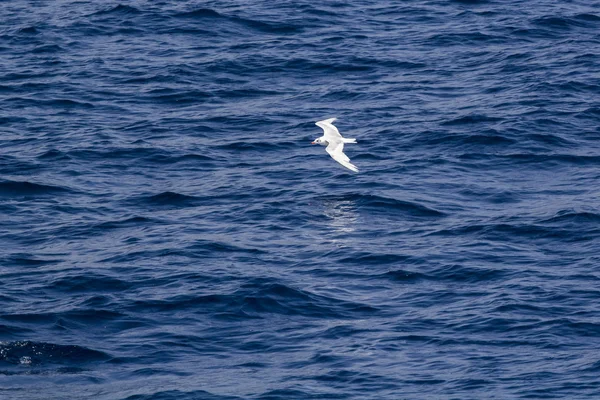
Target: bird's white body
[335,143]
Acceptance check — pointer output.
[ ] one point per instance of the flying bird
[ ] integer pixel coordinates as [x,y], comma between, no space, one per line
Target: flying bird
[335,143]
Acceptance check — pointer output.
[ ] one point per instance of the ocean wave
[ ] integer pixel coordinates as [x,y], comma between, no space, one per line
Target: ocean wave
[549,159]
[49,103]
[462,38]
[400,275]
[212,247]
[47,49]
[36,354]
[588,17]
[471,119]
[118,9]
[572,217]
[171,96]
[29,30]
[169,199]
[258,299]
[199,13]
[367,258]
[559,22]
[374,202]
[465,141]
[181,394]
[29,189]
[27,259]
[88,283]
[542,230]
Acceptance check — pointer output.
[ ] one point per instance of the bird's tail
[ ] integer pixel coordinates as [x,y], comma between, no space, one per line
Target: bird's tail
[348,140]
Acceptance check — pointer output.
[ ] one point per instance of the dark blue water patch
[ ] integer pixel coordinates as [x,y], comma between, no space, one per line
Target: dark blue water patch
[248,66]
[54,155]
[25,190]
[552,159]
[554,22]
[588,17]
[47,49]
[336,332]
[14,331]
[462,39]
[27,260]
[254,146]
[486,194]
[212,247]
[199,13]
[590,113]
[36,354]
[471,2]
[464,274]
[396,65]
[191,31]
[132,222]
[327,65]
[118,153]
[279,298]
[342,378]
[471,140]
[282,394]
[56,103]
[179,394]
[119,9]
[551,140]
[534,326]
[197,159]
[172,96]
[88,283]
[570,218]
[8,119]
[205,15]
[88,317]
[515,232]
[258,300]
[404,276]
[82,230]
[204,250]
[521,308]
[169,199]
[367,258]
[578,87]
[471,119]
[29,30]
[446,273]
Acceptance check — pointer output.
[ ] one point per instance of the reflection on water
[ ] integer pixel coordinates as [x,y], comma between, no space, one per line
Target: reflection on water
[342,214]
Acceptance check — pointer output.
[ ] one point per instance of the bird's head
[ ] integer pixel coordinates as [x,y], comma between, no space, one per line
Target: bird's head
[319,141]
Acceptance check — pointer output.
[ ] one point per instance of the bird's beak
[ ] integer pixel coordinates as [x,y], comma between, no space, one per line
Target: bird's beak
[314,142]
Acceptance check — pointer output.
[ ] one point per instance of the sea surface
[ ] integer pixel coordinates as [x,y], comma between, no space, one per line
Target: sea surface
[168,232]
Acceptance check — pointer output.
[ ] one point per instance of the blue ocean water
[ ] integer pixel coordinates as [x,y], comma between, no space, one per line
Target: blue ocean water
[168,231]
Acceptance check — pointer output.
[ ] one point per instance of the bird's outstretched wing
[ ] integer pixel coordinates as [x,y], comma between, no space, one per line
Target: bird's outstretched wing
[336,151]
[329,129]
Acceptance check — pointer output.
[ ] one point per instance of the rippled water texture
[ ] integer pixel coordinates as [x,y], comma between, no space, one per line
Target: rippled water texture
[168,232]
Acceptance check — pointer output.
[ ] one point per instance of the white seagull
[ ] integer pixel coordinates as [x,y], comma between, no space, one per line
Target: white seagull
[335,143]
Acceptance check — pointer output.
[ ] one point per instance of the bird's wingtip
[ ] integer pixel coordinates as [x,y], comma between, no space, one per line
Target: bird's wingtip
[326,121]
